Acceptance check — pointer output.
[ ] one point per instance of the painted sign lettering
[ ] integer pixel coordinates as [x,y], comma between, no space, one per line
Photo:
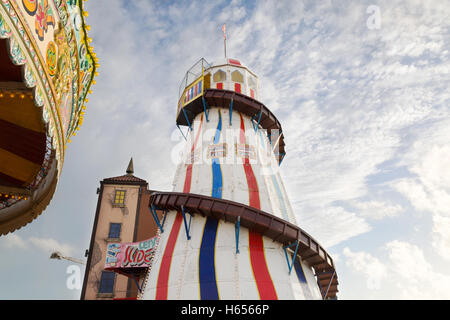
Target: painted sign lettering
[130,255]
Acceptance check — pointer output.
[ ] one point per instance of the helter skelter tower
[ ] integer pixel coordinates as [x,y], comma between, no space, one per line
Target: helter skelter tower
[228,230]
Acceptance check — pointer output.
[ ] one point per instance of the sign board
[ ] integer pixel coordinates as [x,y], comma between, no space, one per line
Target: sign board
[130,255]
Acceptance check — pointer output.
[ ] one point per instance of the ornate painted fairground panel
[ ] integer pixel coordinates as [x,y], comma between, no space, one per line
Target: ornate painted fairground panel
[46,70]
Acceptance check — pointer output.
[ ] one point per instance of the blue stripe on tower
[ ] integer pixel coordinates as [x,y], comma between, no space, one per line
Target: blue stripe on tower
[207,268]
[277,187]
[217,179]
[301,277]
[219,129]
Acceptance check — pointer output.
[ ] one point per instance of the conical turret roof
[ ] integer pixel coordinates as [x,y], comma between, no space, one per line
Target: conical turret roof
[127,178]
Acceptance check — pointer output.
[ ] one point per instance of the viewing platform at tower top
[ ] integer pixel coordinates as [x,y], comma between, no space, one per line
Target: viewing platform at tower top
[226,83]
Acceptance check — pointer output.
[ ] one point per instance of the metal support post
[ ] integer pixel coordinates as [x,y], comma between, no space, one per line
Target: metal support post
[187,120]
[231,110]
[291,264]
[155,217]
[329,284]
[137,283]
[188,228]
[257,125]
[182,132]
[204,109]
[236,229]
[320,288]
[276,143]
[164,220]
[282,157]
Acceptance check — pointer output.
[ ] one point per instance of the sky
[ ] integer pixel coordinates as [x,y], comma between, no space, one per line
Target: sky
[360,89]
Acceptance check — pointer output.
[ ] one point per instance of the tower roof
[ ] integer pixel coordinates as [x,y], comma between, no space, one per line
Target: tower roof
[130,169]
[127,178]
[231,62]
[221,61]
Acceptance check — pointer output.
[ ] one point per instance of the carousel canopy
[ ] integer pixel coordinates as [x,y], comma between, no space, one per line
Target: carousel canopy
[46,70]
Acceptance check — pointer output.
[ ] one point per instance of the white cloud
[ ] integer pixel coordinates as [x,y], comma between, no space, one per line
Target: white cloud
[46,245]
[441,235]
[377,210]
[416,193]
[408,261]
[370,267]
[49,245]
[332,225]
[429,190]
[414,275]
[404,274]
[12,240]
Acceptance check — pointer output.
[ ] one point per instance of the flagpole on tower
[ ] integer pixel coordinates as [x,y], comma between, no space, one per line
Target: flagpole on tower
[224,29]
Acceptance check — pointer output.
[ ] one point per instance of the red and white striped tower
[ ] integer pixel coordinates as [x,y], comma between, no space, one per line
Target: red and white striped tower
[229,231]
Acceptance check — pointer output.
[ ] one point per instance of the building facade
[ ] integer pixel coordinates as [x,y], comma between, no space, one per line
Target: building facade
[122,215]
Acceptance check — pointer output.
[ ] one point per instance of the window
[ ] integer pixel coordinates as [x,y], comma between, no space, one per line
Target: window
[119,198]
[114,230]
[252,86]
[107,282]
[220,76]
[251,81]
[236,76]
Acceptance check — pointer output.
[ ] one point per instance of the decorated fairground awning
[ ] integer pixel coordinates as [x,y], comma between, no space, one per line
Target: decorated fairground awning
[47,68]
[130,259]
